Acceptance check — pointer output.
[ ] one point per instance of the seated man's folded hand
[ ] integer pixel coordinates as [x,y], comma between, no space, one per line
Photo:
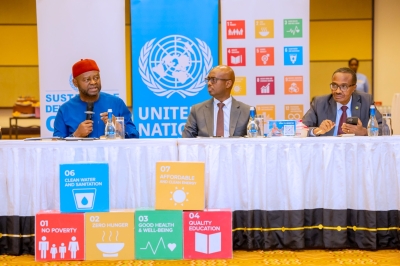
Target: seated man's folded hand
[324,127]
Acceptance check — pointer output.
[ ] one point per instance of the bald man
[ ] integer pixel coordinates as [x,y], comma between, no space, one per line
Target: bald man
[222,115]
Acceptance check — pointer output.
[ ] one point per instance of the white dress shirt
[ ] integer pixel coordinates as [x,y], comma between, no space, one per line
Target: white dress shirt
[227,115]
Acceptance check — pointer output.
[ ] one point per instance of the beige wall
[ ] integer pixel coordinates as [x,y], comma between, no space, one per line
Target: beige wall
[386,50]
[19,71]
[339,30]
[19,74]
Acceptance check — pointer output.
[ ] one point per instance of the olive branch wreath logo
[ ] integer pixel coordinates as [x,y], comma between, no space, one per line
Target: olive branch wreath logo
[159,90]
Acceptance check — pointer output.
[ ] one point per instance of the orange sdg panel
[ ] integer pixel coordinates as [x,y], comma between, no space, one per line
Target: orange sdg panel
[179,186]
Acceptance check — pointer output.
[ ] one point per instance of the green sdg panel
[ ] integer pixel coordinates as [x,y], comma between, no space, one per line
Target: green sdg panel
[158,234]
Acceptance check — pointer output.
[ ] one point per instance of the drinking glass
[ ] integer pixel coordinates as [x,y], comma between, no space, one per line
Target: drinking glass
[260,123]
[386,125]
[120,127]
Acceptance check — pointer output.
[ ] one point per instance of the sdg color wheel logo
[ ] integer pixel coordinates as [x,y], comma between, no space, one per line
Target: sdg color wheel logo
[175,64]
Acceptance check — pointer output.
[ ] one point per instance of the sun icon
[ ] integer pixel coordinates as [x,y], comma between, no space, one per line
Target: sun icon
[236,88]
[179,196]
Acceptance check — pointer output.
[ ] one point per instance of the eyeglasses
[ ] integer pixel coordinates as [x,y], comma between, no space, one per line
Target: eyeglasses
[213,80]
[343,87]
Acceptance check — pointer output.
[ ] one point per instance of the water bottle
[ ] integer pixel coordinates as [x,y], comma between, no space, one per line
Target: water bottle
[373,128]
[110,127]
[386,125]
[252,128]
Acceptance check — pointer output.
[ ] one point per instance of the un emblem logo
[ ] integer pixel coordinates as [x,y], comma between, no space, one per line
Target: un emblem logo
[175,64]
[72,83]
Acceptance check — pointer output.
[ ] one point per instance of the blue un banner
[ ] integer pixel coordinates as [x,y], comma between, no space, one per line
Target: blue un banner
[174,46]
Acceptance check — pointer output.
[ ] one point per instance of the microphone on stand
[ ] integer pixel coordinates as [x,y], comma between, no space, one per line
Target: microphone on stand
[89,111]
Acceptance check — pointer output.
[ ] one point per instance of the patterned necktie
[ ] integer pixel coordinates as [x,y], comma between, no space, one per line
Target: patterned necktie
[220,120]
[342,120]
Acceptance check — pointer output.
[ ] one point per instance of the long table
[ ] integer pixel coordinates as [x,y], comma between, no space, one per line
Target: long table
[325,192]
[29,179]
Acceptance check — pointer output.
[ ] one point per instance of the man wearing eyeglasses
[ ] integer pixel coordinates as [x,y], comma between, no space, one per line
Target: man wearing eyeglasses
[222,115]
[327,114]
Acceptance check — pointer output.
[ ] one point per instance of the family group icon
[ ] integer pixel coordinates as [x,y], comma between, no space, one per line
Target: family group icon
[73,247]
[177,227]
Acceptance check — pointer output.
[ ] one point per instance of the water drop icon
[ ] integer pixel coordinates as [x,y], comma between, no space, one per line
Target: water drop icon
[84,201]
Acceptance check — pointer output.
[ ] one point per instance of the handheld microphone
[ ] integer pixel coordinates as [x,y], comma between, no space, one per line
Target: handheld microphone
[89,111]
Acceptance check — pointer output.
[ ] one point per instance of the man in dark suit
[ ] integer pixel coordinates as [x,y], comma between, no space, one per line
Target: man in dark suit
[324,116]
[222,115]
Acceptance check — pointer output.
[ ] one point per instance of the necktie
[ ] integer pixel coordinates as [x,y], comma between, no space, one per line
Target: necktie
[220,120]
[342,120]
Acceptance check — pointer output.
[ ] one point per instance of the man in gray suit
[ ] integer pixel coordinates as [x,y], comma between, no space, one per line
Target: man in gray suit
[203,117]
[324,116]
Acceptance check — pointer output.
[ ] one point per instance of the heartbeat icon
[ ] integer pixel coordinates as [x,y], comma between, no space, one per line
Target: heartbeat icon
[294,31]
[151,247]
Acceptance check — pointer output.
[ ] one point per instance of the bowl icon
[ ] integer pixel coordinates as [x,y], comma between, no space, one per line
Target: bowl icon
[263,33]
[110,249]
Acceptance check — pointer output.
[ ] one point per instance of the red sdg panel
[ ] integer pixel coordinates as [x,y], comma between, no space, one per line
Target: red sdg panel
[59,236]
[236,56]
[265,85]
[207,234]
[236,29]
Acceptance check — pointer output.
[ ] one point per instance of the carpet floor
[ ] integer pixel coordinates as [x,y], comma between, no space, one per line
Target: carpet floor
[276,257]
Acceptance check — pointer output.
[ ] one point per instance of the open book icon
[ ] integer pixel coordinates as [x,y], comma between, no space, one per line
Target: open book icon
[236,59]
[207,244]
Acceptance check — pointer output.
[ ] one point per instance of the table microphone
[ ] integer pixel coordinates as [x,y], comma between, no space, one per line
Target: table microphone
[89,111]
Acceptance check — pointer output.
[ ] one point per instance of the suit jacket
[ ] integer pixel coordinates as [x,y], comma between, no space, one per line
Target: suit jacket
[201,119]
[325,107]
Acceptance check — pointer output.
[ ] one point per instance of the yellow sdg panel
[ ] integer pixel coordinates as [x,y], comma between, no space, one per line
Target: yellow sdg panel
[110,235]
[239,88]
[264,28]
[179,186]
[267,110]
[294,111]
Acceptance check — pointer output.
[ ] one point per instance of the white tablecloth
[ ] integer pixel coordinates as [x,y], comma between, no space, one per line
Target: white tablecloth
[29,171]
[360,173]
[325,192]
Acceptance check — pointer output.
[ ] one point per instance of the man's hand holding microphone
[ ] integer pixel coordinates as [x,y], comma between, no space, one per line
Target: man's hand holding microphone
[86,127]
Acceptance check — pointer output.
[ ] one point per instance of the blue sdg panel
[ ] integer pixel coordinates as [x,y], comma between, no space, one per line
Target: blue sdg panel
[84,187]
[293,56]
